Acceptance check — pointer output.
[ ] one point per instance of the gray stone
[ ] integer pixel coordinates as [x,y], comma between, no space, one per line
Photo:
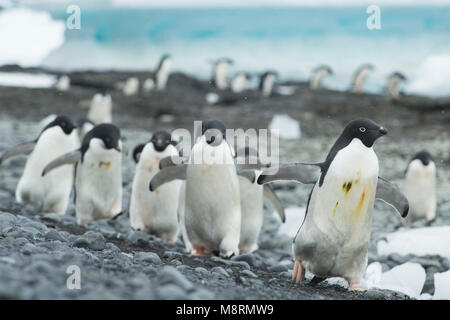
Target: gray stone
[221,271]
[278,268]
[169,274]
[171,292]
[92,240]
[248,273]
[149,257]
[247,257]
[54,235]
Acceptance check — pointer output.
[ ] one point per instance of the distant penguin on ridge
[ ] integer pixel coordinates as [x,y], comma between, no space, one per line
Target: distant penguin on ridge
[50,193]
[360,77]
[420,187]
[318,74]
[239,81]
[63,83]
[131,86]
[220,71]
[266,82]
[393,81]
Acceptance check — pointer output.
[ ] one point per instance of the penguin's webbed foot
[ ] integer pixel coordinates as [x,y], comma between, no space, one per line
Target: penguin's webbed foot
[228,255]
[299,272]
[354,286]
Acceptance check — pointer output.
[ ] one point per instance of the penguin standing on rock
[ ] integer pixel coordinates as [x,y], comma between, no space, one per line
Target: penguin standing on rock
[420,187]
[212,211]
[154,212]
[220,70]
[360,77]
[392,84]
[239,82]
[100,109]
[252,202]
[50,193]
[266,82]
[318,75]
[98,178]
[333,239]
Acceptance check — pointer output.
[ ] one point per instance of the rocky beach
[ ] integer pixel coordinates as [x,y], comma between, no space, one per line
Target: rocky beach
[36,248]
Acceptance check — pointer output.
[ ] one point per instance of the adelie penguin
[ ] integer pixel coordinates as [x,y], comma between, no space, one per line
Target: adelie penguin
[252,202]
[160,76]
[420,187]
[154,212]
[98,178]
[212,211]
[393,82]
[266,82]
[333,239]
[50,193]
[360,77]
[318,74]
[220,71]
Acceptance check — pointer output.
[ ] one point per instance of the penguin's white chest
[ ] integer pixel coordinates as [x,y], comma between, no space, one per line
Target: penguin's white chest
[342,206]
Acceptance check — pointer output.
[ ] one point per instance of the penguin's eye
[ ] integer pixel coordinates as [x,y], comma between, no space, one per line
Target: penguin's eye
[362,129]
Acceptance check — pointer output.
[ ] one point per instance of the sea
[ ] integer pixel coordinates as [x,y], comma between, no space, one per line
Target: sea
[293,41]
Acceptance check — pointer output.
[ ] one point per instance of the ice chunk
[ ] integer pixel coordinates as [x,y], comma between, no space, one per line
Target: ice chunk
[28,36]
[442,285]
[372,278]
[420,242]
[408,278]
[287,127]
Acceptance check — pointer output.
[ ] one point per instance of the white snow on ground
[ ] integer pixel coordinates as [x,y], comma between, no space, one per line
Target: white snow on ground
[420,241]
[28,36]
[288,128]
[408,278]
[294,219]
[442,286]
[28,80]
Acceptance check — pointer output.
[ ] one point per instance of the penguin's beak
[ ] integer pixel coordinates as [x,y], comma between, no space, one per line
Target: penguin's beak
[118,148]
[382,131]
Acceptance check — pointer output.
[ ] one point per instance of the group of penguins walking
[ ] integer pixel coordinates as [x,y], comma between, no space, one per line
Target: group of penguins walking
[218,207]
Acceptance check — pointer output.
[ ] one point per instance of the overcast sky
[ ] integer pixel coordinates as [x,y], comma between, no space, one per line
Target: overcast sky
[229,3]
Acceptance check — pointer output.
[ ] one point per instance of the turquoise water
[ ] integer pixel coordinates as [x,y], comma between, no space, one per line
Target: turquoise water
[291,40]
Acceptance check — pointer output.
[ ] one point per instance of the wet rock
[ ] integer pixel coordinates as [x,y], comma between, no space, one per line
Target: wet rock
[248,257]
[92,240]
[149,257]
[278,268]
[170,275]
[54,235]
[248,273]
[171,292]
[220,271]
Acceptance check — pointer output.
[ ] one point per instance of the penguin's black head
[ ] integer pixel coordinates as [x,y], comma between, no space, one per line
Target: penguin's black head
[161,140]
[106,132]
[214,131]
[365,130]
[65,123]
[424,156]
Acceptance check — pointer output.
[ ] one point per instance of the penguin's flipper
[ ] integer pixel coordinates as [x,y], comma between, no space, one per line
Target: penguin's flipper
[168,174]
[68,158]
[249,175]
[137,151]
[272,197]
[171,161]
[391,194]
[23,148]
[302,172]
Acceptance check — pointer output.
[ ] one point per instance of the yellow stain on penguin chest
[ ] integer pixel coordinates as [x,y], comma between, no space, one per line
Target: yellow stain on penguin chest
[104,165]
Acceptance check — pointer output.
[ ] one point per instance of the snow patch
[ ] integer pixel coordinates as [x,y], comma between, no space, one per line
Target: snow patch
[27,80]
[294,219]
[288,128]
[419,242]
